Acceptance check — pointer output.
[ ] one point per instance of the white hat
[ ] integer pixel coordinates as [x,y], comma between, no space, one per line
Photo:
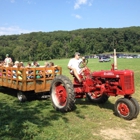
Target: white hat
[16,62]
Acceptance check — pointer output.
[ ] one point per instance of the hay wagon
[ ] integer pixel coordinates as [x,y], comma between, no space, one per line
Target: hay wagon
[28,80]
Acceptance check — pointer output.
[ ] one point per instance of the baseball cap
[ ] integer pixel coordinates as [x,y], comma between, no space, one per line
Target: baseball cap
[77,53]
[7,54]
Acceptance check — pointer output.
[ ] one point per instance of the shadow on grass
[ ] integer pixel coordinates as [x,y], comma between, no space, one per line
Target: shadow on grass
[31,96]
[85,102]
[25,120]
[8,91]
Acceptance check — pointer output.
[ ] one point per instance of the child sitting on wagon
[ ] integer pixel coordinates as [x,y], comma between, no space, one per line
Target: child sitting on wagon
[50,65]
[9,72]
[18,72]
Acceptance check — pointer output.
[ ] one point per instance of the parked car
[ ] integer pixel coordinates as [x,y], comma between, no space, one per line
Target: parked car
[129,57]
[104,59]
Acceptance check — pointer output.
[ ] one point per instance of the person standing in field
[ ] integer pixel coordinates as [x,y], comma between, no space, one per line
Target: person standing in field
[7,60]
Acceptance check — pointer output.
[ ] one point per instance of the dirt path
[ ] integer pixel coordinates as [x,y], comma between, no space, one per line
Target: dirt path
[119,133]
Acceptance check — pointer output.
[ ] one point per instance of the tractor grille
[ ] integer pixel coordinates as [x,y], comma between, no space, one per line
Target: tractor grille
[128,82]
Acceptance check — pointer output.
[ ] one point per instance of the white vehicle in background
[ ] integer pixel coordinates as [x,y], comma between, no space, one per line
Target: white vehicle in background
[129,57]
[104,59]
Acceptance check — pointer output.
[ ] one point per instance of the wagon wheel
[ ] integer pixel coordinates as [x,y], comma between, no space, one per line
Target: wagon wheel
[97,98]
[62,94]
[21,96]
[137,107]
[124,108]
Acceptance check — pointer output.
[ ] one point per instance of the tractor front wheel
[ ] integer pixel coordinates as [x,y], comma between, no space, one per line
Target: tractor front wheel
[62,94]
[124,108]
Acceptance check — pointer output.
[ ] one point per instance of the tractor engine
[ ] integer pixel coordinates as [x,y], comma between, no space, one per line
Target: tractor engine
[114,82]
[108,82]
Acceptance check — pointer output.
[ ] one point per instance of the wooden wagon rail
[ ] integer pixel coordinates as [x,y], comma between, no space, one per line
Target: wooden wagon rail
[28,79]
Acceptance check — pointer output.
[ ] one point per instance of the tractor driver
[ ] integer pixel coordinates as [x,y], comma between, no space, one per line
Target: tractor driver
[73,65]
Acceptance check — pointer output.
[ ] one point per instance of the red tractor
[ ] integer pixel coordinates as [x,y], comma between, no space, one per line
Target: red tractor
[97,86]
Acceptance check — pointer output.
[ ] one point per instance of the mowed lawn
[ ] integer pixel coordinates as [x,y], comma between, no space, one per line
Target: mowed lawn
[37,119]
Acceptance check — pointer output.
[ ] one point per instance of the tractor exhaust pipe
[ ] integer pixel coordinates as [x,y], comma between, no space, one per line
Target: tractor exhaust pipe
[115,60]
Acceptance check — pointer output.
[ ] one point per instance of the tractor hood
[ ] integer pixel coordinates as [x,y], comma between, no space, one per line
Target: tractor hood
[112,73]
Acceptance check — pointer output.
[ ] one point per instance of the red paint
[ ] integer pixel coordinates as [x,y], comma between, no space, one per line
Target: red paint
[111,82]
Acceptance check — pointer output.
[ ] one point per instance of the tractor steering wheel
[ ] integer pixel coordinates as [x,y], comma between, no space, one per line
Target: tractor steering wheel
[83,63]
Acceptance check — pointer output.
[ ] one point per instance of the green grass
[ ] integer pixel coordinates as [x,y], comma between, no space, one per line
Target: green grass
[37,119]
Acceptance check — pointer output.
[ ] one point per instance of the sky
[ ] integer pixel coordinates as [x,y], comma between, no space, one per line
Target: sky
[25,16]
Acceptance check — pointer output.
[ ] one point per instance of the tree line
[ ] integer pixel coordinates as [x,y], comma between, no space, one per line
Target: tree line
[63,44]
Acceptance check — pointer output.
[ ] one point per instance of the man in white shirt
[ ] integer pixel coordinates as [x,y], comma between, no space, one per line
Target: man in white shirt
[73,65]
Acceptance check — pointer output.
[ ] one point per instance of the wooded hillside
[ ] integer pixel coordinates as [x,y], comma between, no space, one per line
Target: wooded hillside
[63,44]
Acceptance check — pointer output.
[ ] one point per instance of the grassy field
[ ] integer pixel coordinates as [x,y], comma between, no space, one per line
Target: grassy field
[37,119]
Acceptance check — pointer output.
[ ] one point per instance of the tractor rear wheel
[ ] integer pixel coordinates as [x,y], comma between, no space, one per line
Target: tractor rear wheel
[62,94]
[100,99]
[137,106]
[124,108]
